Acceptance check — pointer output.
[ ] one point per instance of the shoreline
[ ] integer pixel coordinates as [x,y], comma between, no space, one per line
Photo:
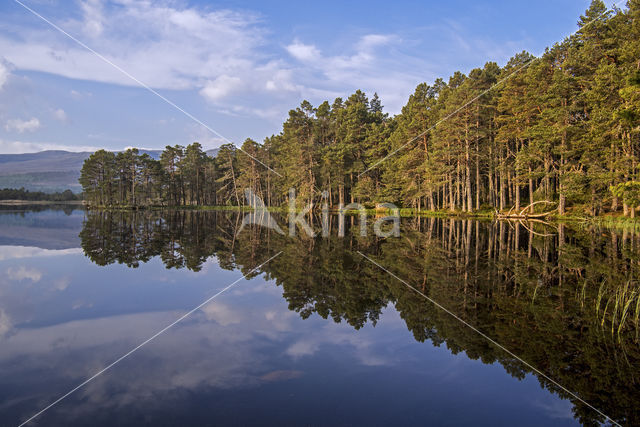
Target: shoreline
[606,219]
[39,202]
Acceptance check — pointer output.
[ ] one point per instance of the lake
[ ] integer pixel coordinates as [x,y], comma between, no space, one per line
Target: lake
[320,334]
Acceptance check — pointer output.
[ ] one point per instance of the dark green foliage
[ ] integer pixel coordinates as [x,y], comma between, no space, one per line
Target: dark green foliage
[22,194]
[629,192]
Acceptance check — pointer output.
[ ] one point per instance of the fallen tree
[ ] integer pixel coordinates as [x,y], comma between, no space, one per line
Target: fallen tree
[523,213]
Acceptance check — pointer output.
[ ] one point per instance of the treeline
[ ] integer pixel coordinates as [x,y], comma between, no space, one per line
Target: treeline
[22,194]
[563,127]
[182,176]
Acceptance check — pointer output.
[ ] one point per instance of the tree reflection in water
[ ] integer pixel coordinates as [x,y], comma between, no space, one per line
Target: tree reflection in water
[564,299]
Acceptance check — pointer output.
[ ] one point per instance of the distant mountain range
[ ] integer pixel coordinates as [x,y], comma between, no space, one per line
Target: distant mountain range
[52,170]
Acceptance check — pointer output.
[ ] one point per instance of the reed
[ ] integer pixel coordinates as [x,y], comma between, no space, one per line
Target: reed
[621,307]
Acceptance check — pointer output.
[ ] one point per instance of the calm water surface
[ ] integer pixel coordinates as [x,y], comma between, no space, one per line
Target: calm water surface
[319,335]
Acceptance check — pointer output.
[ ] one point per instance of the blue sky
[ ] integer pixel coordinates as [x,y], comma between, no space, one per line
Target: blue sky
[237,66]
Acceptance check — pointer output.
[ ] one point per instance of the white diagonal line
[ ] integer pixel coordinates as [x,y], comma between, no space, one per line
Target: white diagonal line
[492,87]
[147,87]
[485,336]
[145,342]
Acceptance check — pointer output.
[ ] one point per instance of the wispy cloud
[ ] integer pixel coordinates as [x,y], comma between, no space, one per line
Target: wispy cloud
[332,334]
[458,40]
[23,273]
[4,73]
[222,54]
[20,126]
[198,133]
[5,323]
[79,95]
[15,252]
[221,313]
[16,147]
[60,115]
[164,45]
[221,87]
[371,63]
[92,12]
[304,52]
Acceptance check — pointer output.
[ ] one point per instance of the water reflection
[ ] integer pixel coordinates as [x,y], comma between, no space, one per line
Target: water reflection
[540,293]
[43,226]
[546,293]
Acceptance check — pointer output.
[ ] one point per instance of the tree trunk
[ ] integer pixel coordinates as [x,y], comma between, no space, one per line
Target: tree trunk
[467,164]
[452,202]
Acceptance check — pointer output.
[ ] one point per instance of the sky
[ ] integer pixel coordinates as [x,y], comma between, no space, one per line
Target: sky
[233,69]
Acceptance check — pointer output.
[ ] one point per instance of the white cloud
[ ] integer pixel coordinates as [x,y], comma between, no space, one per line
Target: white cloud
[5,323]
[221,87]
[21,126]
[17,147]
[221,313]
[16,252]
[199,133]
[23,273]
[60,115]
[273,81]
[273,112]
[222,54]
[62,283]
[363,348]
[371,65]
[93,19]
[79,95]
[303,52]
[554,408]
[4,74]
[371,41]
[161,44]
[302,348]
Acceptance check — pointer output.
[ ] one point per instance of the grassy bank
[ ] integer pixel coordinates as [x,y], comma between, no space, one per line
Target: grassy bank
[620,222]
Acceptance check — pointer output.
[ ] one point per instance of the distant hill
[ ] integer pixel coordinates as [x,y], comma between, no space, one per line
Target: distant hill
[51,170]
[44,161]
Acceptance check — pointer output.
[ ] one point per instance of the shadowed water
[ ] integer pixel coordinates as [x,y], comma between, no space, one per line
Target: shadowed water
[319,335]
